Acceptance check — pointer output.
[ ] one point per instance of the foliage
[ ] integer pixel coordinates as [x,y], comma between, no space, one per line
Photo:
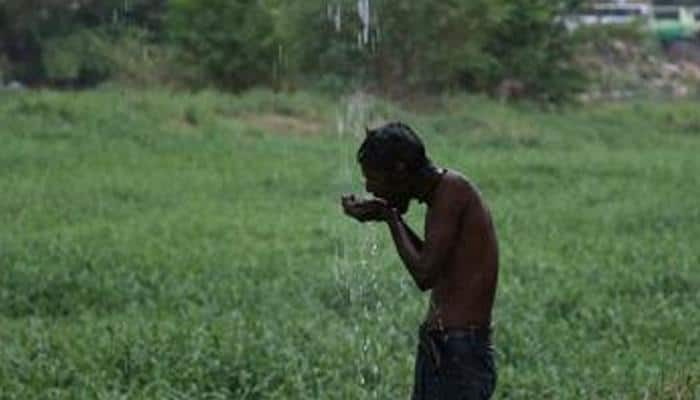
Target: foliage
[78,55]
[409,45]
[234,41]
[87,57]
[65,43]
[180,246]
[531,46]
[428,46]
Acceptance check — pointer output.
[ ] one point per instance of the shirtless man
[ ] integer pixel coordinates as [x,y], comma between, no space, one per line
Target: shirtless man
[457,261]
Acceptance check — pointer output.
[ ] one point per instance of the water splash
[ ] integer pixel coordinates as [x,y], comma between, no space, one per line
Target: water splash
[352,117]
[338,19]
[354,114]
[334,12]
[356,264]
[363,11]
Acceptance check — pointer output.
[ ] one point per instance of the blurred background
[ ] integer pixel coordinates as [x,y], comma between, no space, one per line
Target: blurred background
[170,176]
[542,50]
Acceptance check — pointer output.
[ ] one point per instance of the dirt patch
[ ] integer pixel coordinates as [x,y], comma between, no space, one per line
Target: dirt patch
[284,124]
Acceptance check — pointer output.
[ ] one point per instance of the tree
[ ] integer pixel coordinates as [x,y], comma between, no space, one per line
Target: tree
[233,40]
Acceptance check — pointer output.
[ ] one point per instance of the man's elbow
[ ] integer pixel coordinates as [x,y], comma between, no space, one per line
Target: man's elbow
[426,278]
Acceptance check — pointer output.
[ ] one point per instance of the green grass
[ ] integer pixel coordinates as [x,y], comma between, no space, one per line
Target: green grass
[166,245]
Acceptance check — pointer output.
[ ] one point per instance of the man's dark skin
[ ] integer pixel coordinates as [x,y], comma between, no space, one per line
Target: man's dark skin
[458,260]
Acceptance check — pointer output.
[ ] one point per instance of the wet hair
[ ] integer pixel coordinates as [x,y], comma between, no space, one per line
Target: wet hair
[387,146]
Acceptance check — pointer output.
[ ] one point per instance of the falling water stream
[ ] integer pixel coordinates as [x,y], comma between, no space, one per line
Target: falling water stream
[334,13]
[352,262]
[356,265]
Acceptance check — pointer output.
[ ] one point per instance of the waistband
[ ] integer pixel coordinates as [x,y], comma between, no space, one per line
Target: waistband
[475,332]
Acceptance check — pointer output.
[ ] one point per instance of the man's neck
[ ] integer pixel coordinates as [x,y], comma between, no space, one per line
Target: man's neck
[427,185]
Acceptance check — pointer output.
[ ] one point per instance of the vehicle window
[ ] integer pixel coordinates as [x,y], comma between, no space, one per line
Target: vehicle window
[614,12]
[673,14]
[621,12]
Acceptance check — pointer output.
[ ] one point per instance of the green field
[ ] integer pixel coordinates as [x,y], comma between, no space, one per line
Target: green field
[160,245]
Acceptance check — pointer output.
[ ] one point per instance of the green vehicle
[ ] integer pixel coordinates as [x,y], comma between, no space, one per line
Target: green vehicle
[670,23]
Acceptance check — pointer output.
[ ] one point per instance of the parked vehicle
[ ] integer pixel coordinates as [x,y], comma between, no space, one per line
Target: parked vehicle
[609,13]
[668,23]
[671,23]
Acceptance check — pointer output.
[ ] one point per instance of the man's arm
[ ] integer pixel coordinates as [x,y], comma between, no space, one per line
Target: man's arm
[442,226]
[416,241]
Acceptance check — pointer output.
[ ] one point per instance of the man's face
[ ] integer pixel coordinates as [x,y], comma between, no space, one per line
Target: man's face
[392,187]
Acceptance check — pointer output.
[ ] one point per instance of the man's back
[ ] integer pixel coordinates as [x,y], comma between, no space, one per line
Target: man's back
[464,288]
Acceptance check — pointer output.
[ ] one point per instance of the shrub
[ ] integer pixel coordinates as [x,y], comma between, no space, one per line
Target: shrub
[232,40]
[422,45]
[532,46]
[77,58]
[45,41]
[409,46]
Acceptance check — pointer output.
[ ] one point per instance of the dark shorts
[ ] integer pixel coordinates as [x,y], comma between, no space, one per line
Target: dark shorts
[455,365]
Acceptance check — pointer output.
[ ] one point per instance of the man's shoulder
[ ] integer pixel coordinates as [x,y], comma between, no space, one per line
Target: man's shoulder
[455,188]
[455,182]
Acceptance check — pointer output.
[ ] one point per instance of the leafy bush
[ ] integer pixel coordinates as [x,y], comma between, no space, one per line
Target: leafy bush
[45,41]
[233,41]
[77,56]
[533,47]
[423,45]
[408,46]
[89,56]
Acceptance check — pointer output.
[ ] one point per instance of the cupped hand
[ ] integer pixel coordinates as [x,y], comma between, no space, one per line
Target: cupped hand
[365,210]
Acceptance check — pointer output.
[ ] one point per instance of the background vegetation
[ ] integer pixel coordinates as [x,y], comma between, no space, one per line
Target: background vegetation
[408,46]
[162,238]
[192,246]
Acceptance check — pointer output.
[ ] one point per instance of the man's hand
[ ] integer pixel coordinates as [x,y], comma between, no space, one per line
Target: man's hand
[365,210]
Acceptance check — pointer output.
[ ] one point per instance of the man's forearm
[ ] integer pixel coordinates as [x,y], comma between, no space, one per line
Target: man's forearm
[409,246]
[415,239]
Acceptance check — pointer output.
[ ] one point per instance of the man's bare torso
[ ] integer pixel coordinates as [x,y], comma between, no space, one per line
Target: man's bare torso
[464,290]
